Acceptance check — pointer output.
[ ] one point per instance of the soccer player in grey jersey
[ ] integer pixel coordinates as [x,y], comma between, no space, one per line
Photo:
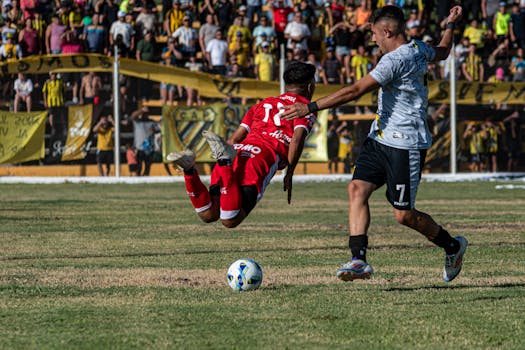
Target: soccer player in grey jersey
[394,152]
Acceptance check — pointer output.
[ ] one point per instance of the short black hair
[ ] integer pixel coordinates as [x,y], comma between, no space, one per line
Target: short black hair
[388,12]
[299,73]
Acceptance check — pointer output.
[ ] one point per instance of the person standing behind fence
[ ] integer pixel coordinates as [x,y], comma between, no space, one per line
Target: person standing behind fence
[53,94]
[23,89]
[104,130]
[143,139]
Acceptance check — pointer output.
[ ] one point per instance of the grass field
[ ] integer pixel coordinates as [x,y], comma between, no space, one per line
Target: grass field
[130,266]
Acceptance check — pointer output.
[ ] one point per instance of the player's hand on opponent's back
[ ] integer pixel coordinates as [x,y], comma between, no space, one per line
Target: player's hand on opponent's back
[287,185]
[294,111]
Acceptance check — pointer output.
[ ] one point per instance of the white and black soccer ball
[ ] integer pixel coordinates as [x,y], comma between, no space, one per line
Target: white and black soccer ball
[245,274]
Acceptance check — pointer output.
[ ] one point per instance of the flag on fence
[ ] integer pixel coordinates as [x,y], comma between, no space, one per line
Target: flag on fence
[21,136]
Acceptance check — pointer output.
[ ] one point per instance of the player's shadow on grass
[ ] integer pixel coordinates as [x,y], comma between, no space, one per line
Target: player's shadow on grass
[455,286]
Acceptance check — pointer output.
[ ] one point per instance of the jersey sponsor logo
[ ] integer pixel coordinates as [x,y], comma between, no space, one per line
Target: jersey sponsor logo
[247,148]
[281,137]
[288,97]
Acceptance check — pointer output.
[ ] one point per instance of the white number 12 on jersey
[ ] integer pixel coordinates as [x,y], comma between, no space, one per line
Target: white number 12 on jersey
[277,116]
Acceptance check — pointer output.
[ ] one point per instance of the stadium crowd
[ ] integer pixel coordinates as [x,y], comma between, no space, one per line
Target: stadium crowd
[241,38]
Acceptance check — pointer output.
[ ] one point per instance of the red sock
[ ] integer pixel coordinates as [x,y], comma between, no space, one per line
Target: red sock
[197,191]
[231,200]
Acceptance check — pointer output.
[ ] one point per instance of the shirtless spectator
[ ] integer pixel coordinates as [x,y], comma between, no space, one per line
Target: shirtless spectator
[89,89]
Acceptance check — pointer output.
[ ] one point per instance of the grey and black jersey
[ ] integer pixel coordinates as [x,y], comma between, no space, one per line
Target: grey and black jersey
[403,97]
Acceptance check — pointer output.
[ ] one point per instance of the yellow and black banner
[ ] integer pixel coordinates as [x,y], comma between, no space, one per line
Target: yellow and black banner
[182,128]
[21,136]
[79,127]
[215,86]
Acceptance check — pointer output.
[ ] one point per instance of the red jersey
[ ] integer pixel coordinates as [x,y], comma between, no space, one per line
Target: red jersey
[266,128]
[280,17]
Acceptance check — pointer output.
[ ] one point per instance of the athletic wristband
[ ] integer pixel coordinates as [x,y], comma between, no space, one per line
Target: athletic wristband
[313,107]
[450,25]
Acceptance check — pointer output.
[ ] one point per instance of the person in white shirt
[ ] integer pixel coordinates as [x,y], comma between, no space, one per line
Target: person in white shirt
[23,89]
[297,32]
[125,31]
[216,52]
[187,37]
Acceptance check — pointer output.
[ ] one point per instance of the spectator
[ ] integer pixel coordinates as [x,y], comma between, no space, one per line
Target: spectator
[28,40]
[187,38]
[169,57]
[318,67]
[94,35]
[10,50]
[297,32]
[145,52]
[474,33]
[8,29]
[53,95]
[104,130]
[517,26]
[333,147]
[280,13]
[472,68]
[343,40]
[126,34]
[236,28]
[240,50]
[475,138]
[90,89]
[28,8]
[512,140]
[224,11]
[335,10]
[501,21]
[489,9]
[491,146]
[245,21]
[205,8]
[264,32]
[23,89]
[131,158]
[54,36]
[143,139]
[108,11]
[146,21]
[192,94]
[332,68]
[254,8]
[216,54]
[207,32]
[264,63]
[363,14]
[517,66]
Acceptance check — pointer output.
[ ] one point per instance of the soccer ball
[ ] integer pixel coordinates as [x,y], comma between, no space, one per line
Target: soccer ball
[244,274]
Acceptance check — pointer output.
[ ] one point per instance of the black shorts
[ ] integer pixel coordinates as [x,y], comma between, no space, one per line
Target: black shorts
[104,157]
[399,169]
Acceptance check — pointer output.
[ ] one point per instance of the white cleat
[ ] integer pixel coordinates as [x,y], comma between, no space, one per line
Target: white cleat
[454,262]
[184,159]
[355,269]
[219,148]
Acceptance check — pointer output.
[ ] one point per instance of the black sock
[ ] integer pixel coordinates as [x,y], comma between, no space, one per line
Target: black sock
[358,245]
[222,162]
[189,171]
[445,241]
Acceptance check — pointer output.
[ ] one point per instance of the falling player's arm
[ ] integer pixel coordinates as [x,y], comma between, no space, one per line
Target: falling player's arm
[238,135]
[294,153]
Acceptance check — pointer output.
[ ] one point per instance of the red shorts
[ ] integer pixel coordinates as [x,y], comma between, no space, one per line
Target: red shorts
[254,165]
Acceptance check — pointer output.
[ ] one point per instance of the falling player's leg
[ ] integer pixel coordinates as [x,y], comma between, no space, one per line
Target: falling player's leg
[205,205]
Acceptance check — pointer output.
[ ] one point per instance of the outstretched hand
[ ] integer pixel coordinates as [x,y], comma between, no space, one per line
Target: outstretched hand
[287,185]
[294,111]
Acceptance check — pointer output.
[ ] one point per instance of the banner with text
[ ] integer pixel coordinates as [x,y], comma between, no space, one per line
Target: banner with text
[216,86]
[182,128]
[79,127]
[21,136]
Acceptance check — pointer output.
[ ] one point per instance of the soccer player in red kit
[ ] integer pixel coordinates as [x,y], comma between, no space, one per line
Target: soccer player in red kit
[246,163]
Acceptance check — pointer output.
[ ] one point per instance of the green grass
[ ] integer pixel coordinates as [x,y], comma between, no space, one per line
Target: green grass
[131,266]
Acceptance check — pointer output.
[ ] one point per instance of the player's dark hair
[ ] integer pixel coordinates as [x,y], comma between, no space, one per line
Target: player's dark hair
[389,12]
[299,73]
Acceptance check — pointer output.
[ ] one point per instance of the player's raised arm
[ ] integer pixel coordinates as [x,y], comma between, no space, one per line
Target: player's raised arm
[443,49]
[294,153]
[338,98]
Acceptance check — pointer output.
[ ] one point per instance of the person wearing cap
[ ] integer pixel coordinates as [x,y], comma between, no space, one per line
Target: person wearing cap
[173,18]
[240,49]
[264,63]
[10,50]
[241,12]
[501,21]
[187,37]
[297,32]
[264,28]
[122,34]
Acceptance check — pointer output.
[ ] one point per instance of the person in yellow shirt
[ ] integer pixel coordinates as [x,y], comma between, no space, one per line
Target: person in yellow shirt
[237,28]
[240,49]
[475,142]
[472,67]
[53,95]
[173,18]
[474,33]
[360,63]
[264,63]
[104,130]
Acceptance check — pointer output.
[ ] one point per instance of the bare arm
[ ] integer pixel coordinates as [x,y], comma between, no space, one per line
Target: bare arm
[338,98]
[294,154]
[238,135]
[443,49]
